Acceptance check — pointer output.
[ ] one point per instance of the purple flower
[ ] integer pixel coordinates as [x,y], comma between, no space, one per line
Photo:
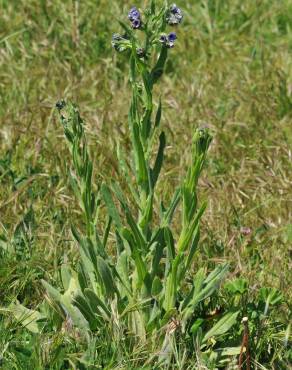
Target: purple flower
[134,14]
[172,37]
[135,18]
[174,15]
[136,23]
[168,40]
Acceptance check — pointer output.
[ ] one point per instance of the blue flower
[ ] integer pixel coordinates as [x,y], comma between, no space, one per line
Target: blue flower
[135,18]
[168,40]
[174,15]
[136,23]
[174,9]
[172,37]
[134,14]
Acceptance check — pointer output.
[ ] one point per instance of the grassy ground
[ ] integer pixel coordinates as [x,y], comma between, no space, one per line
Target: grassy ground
[231,70]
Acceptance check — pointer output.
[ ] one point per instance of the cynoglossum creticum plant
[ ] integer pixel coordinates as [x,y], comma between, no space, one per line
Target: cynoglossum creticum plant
[145,290]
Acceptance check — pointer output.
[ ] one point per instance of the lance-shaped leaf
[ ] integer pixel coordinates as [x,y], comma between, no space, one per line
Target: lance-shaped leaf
[84,307]
[140,158]
[146,120]
[167,218]
[147,212]
[222,326]
[187,234]
[140,241]
[106,277]
[97,305]
[203,288]
[158,114]
[30,319]
[159,160]
[111,208]
[136,255]
[157,71]
[65,301]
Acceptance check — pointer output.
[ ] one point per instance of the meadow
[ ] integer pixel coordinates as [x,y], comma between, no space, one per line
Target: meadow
[226,114]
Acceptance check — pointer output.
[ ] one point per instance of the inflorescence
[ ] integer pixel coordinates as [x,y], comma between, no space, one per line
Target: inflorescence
[173,16]
[168,40]
[135,18]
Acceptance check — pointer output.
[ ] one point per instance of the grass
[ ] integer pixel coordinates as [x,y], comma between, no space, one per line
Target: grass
[231,70]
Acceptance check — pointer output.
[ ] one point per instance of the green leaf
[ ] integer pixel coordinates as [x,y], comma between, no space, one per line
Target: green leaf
[152,7]
[137,325]
[193,249]
[146,121]
[156,251]
[84,307]
[167,218]
[65,276]
[28,318]
[157,71]
[136,255]
[203,288]
[147,212]
[65,301]
[186,236]
[196,325]
[171,286]
[158,114]
[106,276]
[111,208]
[142,171]
[159,159]
[130,219]
[222,325]
[156,286]
[97,304]
[167,316]
[237,286]
[106,232]
[198,283]
[271,297]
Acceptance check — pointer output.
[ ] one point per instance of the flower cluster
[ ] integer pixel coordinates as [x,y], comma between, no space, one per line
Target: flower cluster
[174,16]
[135,18]
[168,40]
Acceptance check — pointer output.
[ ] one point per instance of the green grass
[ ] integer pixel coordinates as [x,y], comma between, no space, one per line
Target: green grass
[231,69]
